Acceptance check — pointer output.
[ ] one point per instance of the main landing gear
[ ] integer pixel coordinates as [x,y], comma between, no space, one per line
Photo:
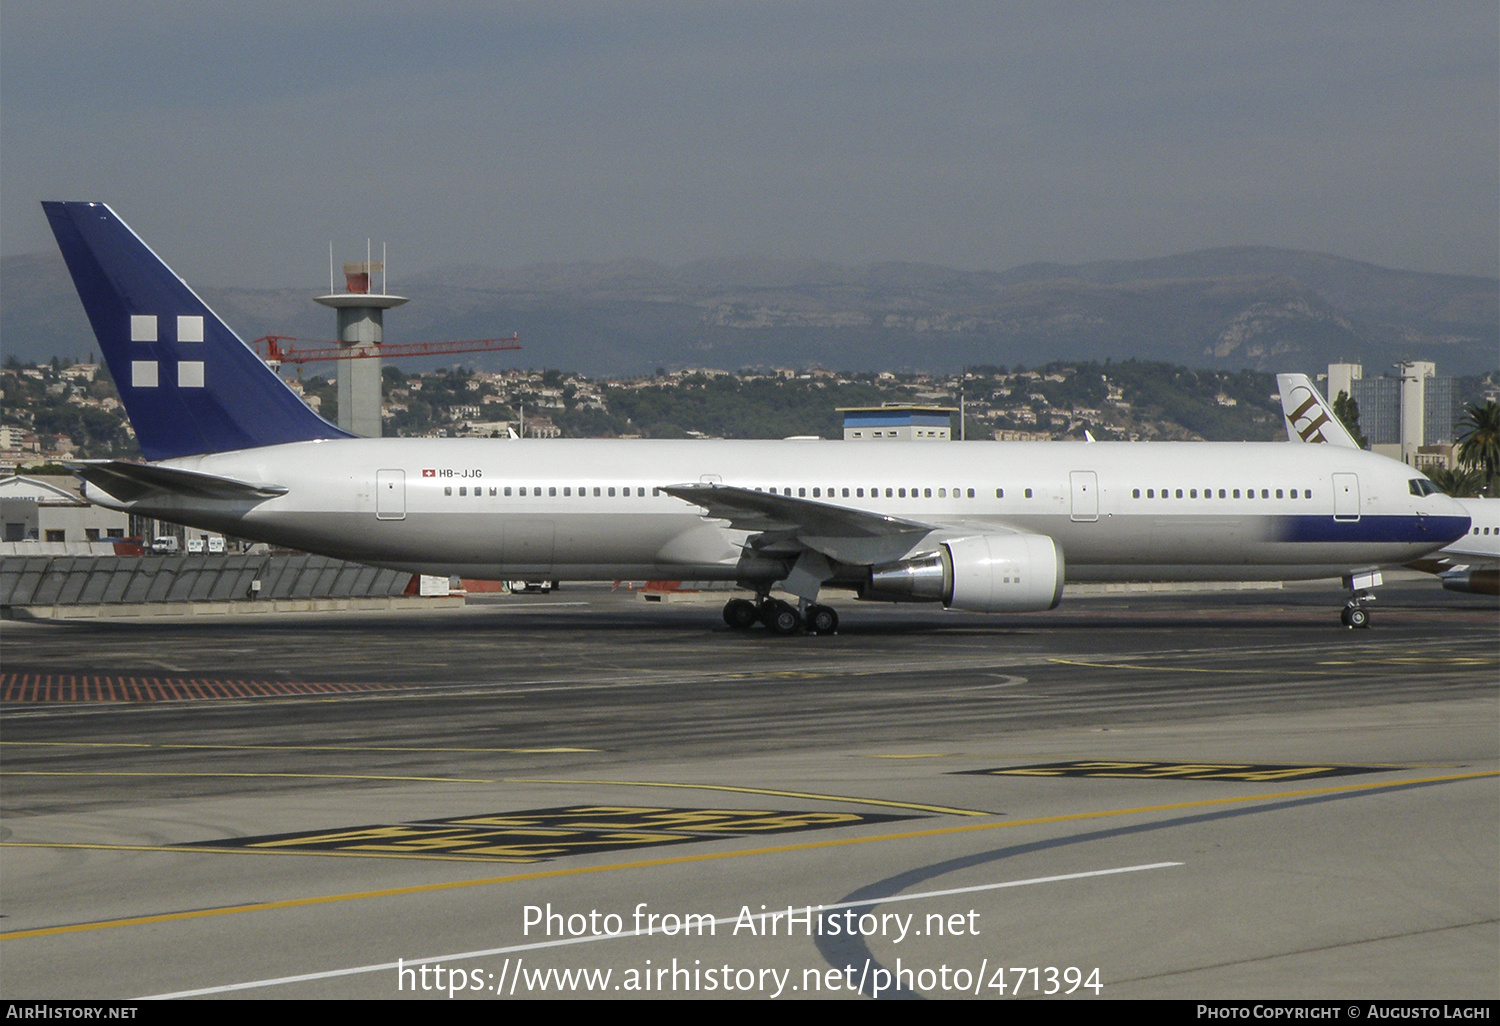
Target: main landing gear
[1361,592]
[781,617]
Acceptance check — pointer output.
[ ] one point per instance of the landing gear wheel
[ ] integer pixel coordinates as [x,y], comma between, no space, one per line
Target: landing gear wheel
[1355,617]
[740,614]
[822,619]
[781,618]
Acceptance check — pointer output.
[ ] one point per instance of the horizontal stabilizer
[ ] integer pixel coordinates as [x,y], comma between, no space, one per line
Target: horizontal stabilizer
[131,482]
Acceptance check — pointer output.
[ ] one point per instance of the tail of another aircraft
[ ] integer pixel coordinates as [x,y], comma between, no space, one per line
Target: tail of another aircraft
[189,384]
[1307,414]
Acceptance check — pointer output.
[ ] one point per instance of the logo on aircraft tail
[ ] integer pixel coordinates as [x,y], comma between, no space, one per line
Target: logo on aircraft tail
[1309,416]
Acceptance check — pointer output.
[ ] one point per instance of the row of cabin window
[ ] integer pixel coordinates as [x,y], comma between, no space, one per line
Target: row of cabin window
[890,493]
[536,490]
[1208,493]
[817,493]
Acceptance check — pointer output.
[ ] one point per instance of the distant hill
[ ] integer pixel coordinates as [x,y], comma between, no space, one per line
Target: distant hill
[1239,307]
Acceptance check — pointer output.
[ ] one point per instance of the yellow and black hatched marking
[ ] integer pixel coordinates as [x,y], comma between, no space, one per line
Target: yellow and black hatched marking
[70,687]
[1240,772]
[537,835]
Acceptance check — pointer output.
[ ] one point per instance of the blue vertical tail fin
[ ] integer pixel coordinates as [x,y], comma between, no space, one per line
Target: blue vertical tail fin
[189,384]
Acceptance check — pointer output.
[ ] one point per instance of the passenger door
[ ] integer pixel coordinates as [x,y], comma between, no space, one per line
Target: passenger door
[1085,495]
[1346,496]
[390,495]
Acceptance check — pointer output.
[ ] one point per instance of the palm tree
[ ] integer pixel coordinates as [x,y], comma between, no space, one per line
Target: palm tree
[1479,439]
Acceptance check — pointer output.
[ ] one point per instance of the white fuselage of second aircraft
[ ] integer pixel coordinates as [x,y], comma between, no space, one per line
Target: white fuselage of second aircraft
[593,509]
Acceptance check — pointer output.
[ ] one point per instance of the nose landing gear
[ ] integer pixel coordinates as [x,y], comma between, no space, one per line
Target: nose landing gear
[1355,617]
[1361,591]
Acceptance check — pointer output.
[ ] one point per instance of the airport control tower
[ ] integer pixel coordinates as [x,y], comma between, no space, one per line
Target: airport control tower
[360,314]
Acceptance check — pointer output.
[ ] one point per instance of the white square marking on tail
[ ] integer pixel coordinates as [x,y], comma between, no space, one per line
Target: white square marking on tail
[143,372]
[143,327]
[190,374]
[190,329]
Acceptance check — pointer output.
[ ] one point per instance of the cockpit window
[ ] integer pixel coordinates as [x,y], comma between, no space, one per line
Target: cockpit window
[1421,486]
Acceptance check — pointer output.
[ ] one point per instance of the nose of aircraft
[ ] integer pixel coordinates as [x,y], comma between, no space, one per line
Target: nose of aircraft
[1453,518]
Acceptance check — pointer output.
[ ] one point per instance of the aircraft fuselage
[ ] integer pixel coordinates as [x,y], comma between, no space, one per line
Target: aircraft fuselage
[591,509]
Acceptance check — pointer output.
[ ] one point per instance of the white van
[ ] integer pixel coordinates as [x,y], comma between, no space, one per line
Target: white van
[216,545]
[164,544]
[195,546]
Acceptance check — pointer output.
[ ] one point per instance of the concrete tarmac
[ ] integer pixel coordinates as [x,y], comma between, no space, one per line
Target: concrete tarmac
[1219,795]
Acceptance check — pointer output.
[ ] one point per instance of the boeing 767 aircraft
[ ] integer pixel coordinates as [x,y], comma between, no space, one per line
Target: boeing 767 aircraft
[987,527]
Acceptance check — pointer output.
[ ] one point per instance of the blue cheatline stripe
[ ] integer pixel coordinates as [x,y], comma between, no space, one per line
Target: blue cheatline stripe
[189,384]
[1413,529]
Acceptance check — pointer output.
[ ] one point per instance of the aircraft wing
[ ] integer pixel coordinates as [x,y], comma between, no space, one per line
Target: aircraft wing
[788,525]
[131,482]
[749,510]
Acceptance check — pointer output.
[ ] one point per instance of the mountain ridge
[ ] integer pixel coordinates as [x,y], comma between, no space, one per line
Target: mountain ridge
[1228,307]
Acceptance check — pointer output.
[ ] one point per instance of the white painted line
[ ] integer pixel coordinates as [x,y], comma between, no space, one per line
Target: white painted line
[568,941]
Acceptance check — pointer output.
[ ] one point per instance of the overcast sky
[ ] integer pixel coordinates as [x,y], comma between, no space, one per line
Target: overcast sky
[239,139]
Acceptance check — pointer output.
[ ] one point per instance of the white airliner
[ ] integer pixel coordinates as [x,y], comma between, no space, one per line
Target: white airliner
[1470,564]
[989,527]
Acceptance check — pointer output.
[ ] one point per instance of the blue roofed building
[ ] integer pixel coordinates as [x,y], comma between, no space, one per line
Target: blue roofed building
[904,423]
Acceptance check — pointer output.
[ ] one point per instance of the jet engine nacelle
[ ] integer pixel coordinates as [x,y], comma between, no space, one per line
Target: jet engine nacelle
[985,573]
[1475,582]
